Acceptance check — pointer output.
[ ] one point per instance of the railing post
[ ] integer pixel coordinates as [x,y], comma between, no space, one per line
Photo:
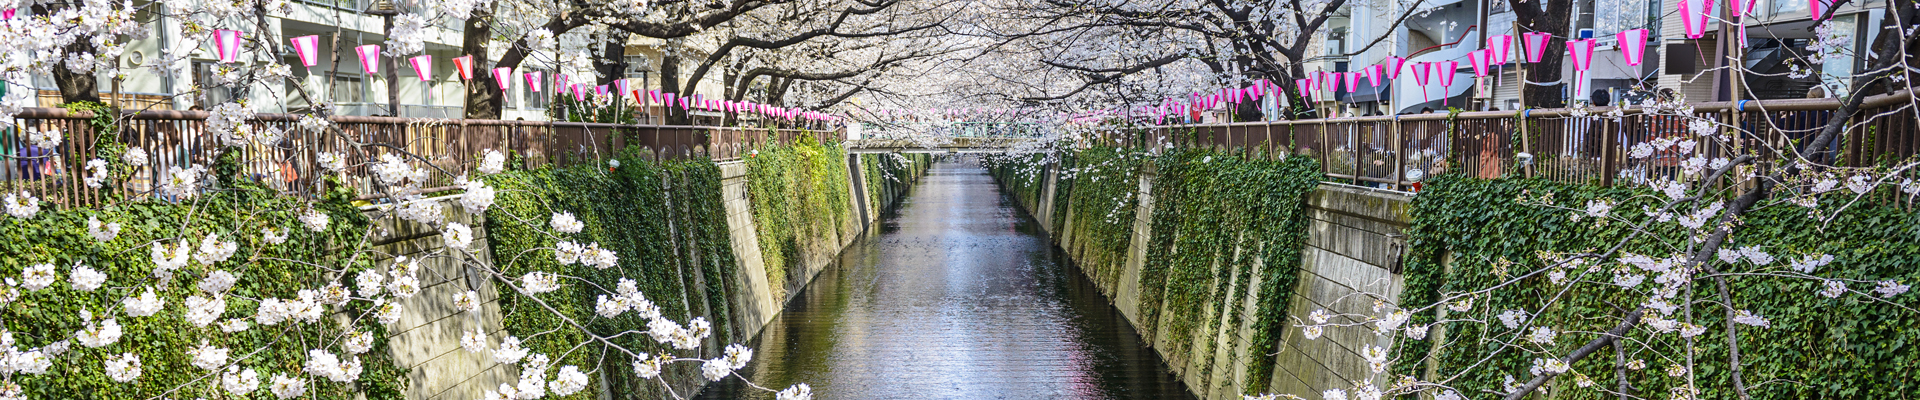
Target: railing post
[1399,153]
[1526,140]
[1608,142]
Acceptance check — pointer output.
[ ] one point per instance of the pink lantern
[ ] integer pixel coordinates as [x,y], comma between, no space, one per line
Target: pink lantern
[1536,45]
[534,79]
[1393,66]
[8,14]
[621,85]
[1582,53]
[600,90]
[369,57]
[1741,8]
[1633,45]
[1374,73]
[1445,71]
[1305,86]
[579,93]
[1353,81]
[226,43]
[422,66]
[1502,48]
[1333,81]
[560,82]
[1816,7]
[1694,15]
[1480,61]
[464,65]
[1420,78]
[308,47]
[503,76]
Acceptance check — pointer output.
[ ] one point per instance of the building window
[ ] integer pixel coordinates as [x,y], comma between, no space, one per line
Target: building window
[349,89]
[205,75]
[1337,42]
[1613,16]
[1789,7]
[537,100]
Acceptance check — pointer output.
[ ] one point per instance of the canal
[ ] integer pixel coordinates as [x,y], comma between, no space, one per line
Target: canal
[955,294]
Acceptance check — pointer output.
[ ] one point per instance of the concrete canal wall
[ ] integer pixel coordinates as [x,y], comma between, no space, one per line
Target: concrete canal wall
[1353,244]
[426,340]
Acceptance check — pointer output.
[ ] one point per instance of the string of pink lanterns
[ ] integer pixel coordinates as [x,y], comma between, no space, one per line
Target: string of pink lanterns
[227,48]
[1695,16]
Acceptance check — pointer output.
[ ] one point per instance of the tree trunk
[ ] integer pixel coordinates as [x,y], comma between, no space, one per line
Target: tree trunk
[485,99]
[393,70]
[1554,20]
[670,83]
[612,64]
[76,87]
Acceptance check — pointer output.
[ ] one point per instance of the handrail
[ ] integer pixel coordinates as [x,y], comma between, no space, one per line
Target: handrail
[1384,150]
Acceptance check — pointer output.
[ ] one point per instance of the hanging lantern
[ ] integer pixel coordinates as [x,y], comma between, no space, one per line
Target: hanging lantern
[308,47]
[534,80]
[1536,45]
[1502,48]
[1581,51]
[226,45]
[422,66]
[464,65]
[1480,61]
[369,57]
[1633,45]
[1694,15]
[503,76]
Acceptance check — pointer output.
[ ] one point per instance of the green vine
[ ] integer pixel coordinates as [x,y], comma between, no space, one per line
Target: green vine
[800,201]
[1469,234]
[668,226]
[60,237]
[1219,222]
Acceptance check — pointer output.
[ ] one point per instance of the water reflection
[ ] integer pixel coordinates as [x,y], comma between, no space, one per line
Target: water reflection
[957,295]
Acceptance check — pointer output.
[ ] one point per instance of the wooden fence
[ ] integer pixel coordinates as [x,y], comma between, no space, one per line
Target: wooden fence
[179,139]
[1386,151]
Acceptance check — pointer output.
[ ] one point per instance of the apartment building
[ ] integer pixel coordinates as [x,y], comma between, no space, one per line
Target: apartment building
[1777,38]
[341,25]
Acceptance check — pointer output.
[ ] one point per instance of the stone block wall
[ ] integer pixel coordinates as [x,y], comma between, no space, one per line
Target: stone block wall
[426,340]
[1353,246]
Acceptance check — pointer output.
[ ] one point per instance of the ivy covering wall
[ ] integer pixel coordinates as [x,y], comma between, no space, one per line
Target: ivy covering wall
[1101,200]
[800,204]
[60,237]
[1218,221]
[1468,234]
[888,176]
[668,225]
[1221,221]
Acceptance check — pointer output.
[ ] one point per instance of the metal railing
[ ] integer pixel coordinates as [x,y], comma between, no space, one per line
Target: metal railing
[1383,151]
[178,139]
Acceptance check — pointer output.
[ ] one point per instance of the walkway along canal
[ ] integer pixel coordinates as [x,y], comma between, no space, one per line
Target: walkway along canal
[957,295]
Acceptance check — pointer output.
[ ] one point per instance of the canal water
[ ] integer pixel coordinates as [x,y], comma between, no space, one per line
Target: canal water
[955,294]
